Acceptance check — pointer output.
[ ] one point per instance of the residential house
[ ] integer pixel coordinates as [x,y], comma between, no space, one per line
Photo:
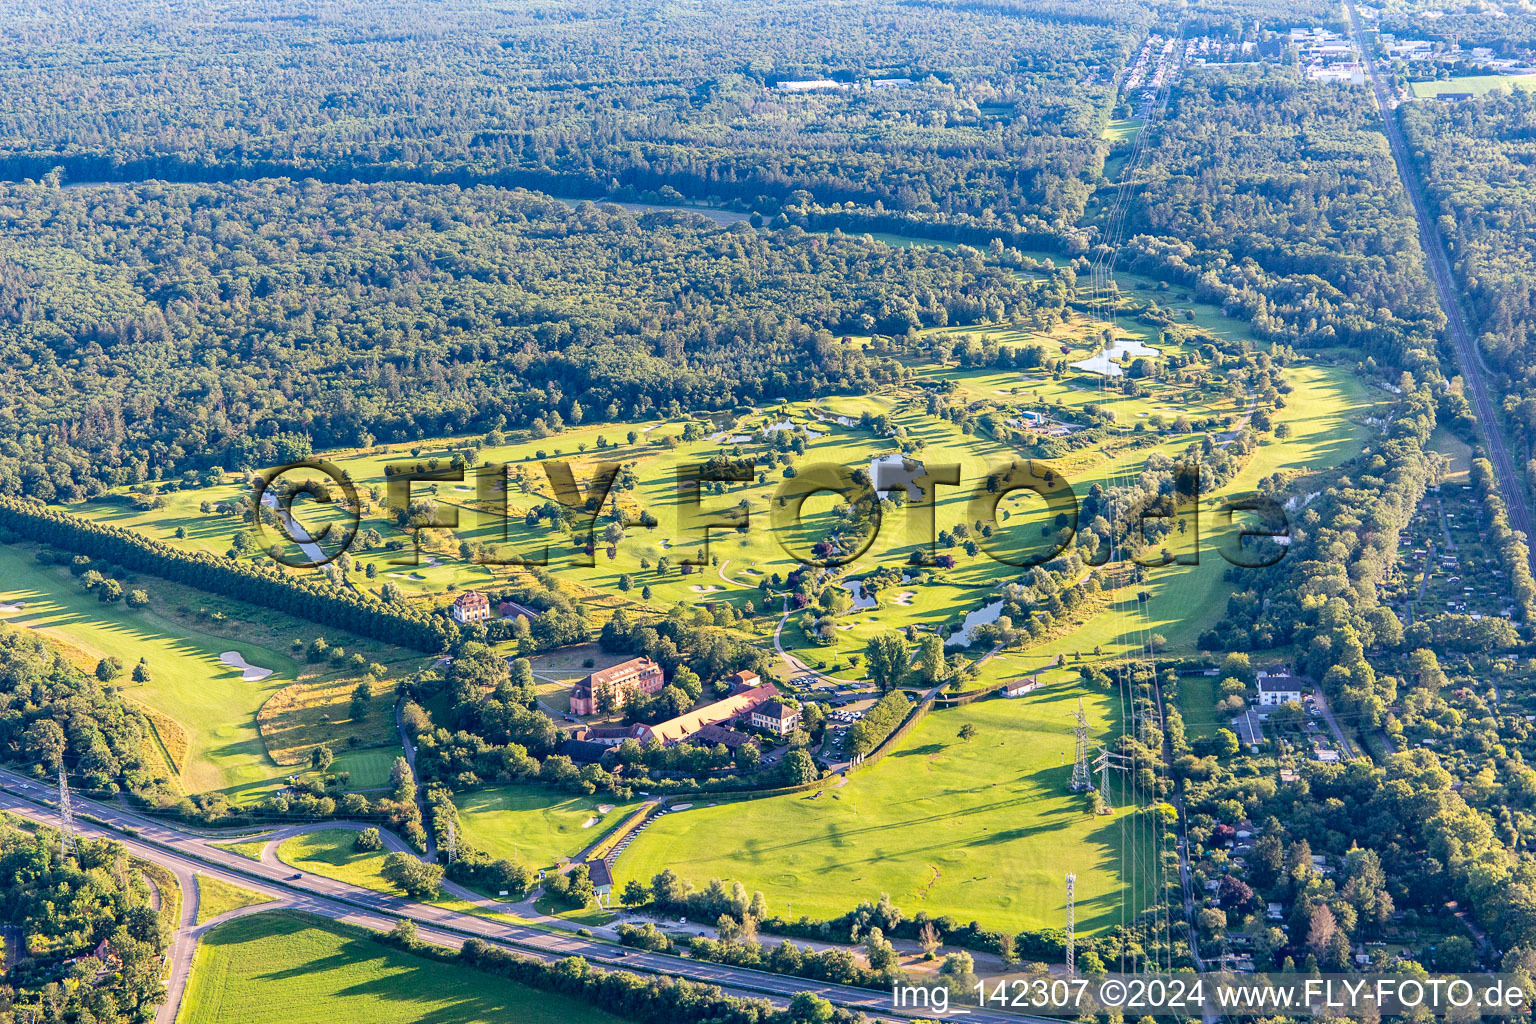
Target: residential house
[1276,690]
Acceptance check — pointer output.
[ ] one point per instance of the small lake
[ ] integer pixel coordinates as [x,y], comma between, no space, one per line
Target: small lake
[1107,362]
[980,617]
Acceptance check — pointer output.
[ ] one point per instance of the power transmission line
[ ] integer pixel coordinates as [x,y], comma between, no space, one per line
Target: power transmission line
[1081,779]
[1071,924]
[66,815]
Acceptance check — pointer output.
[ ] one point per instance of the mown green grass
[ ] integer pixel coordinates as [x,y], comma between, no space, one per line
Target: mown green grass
[216,708]
[982,830]
[1477,85]
[1197,703]
[250,850]
[329,852]
[1123,129]
[289,968]
[536,825]
[216,896]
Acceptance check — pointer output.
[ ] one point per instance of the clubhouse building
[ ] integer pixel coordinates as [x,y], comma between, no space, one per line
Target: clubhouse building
[624,680]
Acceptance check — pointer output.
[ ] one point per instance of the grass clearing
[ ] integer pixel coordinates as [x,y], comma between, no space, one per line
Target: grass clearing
[1197,703]
[982,831]
[536,825]
[216,896]
[1477,85]
[250,849]
[288,968]
[329,852]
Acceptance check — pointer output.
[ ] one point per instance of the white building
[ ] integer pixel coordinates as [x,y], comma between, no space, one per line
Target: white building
[1277,690]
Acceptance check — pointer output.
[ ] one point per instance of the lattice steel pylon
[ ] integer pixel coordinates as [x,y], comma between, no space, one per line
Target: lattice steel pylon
[66,816]
[453,841]
[1104,762]
[1071,924]
[1081,779]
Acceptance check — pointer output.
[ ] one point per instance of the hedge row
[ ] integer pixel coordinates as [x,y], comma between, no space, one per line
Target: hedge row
[305,597]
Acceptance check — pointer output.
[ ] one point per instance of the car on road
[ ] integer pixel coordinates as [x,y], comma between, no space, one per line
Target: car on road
[295,878]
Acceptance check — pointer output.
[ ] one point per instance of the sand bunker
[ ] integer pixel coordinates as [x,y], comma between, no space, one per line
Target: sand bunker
[681,807]
[905,597]
[604,808]
[250,673]
[708,588]
[589,823]
[6,609]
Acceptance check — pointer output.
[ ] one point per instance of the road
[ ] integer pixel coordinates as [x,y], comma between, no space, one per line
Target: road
[1346,748]
[1450,301]
[410,760]
[182,852]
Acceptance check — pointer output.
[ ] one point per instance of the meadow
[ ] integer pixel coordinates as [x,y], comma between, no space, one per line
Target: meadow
[330,852]
[535,825]
[282,967]
[982,830]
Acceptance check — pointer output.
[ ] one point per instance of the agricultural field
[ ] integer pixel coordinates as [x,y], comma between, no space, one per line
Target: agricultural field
[981,830]
[288,968]
[535,825]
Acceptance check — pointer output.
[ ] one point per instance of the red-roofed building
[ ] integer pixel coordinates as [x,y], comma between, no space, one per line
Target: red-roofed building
[471,606]
[624,680]
[678,729]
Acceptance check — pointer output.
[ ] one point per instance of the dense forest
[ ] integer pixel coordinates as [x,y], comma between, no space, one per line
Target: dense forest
[1474,159]
[156,328]
[996,108]
[1277,197]
[92,943]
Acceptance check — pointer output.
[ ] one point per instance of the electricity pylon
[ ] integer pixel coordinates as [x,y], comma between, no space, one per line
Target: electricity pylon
[1071,924]
[66,815]
[1081,780]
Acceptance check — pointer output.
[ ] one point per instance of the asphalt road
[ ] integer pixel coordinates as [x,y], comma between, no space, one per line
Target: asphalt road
[182,851]
[1450,301]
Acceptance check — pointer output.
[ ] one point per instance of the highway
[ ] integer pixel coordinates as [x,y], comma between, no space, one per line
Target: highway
[1450,300]
[182,851]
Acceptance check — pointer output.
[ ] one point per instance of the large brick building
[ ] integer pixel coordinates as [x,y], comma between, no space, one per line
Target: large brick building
[624,680]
